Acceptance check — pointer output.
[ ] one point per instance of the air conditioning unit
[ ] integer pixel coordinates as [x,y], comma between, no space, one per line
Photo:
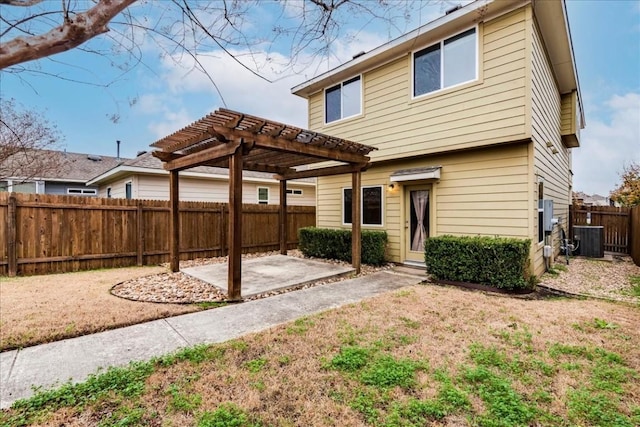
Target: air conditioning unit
[591,240]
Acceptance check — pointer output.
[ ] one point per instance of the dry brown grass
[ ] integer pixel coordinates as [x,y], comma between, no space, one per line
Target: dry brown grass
[39,309]
[437,325]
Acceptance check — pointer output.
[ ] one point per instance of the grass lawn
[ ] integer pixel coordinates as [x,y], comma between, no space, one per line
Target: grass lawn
[38,309]
[426,355]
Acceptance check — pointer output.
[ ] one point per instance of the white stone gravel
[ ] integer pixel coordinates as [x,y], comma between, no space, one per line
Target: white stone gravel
[596,278]
[184,289]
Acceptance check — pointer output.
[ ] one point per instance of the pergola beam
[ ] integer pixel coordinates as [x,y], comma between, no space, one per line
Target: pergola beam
[201,157]
[285,145]
[328,171]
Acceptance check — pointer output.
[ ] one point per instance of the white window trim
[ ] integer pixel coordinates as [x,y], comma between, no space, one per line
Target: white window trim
[39,185]
[381,225]
[258,195]
[441,43]
[324,101]
[82,191]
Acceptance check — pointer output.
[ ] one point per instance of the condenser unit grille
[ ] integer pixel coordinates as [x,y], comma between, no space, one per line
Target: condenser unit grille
[591,240]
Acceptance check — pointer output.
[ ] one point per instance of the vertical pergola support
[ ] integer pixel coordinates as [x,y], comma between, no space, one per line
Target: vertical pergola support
[235,226]
[356,240]
[174,201]
[282,218]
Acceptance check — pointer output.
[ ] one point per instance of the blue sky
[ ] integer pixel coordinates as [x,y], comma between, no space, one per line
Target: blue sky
[160,97]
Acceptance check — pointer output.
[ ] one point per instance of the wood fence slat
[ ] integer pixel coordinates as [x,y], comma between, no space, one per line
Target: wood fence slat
[71,233]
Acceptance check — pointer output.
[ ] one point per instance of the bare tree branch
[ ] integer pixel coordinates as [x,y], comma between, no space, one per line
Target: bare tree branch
[22,3]
[70,34]
[23,136]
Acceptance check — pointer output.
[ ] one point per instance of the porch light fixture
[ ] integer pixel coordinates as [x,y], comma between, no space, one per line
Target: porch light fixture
[391,186]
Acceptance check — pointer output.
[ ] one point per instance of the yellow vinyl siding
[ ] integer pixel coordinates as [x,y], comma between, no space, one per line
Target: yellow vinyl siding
[487,111]
[568,113]
[473,196]
[553,169]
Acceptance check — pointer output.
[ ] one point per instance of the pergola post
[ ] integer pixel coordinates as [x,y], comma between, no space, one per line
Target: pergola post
[174,201]
[235,226]
[355,221]
[282,223]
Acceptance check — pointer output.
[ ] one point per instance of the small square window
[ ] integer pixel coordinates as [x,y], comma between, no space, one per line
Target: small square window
[263,195]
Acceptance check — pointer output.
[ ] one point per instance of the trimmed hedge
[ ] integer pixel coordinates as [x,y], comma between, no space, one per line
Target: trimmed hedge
[336,244]
[495,261]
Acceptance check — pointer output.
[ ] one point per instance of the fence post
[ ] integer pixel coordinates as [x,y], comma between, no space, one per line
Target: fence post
[140,229]
[12,255]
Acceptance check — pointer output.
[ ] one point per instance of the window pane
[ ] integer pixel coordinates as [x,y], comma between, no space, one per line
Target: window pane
[351,97]
[346,208]
[372,205]
[4,186]
[540,226]
[25,187]
[127,190]
[263,194]
[426,70]
[332,104]
[460,58]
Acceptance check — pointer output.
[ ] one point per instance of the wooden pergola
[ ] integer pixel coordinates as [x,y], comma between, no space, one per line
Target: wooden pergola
[237,141]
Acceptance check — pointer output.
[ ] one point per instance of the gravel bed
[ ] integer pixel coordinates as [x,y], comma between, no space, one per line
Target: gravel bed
[596,278]
[180,288]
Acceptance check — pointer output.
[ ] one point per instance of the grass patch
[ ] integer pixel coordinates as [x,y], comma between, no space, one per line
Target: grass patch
[206,305]
[634,290]
[435,361]
[300,326]
[227,415]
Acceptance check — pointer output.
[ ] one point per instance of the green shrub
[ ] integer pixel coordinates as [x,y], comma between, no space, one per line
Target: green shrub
[336,244]
[494,261]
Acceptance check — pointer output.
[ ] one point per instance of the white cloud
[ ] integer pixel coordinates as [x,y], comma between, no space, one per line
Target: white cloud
[610,140]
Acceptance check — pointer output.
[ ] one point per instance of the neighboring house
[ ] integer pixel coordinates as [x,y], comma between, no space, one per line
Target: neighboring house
[145,178]
[53,172]
[583,199]
[474,116]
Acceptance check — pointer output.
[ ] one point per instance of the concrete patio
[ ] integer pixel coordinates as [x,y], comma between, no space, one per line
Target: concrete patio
[270,273]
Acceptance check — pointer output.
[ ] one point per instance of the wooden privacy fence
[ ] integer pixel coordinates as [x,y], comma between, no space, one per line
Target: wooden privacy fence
[41,234]
[621,227]
[635,234]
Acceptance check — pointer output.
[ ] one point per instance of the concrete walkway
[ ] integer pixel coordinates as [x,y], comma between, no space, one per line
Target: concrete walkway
[74,359]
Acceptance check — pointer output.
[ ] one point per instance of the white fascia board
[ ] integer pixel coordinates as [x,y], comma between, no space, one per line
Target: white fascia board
[128,170]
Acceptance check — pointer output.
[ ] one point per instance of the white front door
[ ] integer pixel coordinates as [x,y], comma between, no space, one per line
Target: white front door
[416,226]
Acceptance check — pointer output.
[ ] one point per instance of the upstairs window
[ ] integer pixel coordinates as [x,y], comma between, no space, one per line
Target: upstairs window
[343,100]
[448,63]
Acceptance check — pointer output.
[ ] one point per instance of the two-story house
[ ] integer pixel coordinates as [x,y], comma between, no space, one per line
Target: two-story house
[474,116]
